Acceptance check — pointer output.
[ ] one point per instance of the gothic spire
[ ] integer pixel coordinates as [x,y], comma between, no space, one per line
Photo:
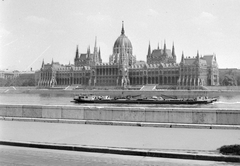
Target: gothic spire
[182,60]
[122,28]
[52,60]
[165,55]
[158,46]
[42,63]
[99,56]
[88,50]
[173,51]
[164,47]
[95,46]
[77,55]
[95,56]
[149,49]
[197,55]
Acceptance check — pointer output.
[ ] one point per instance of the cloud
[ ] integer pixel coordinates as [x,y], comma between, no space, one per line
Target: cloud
[10,43]
[4,32]
[78,13]
[99,18]
[59,32]
[37,20]
[218,35]
[204,18]
[152,13]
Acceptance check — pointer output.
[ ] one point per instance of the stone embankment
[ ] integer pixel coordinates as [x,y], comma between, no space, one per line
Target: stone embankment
[213,92]
[204,116]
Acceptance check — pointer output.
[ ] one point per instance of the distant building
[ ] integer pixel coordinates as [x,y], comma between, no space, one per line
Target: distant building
[124,70]
[6,74]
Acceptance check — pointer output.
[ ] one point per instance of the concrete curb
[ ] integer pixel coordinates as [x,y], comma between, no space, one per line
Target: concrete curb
[123,123]
[125,151]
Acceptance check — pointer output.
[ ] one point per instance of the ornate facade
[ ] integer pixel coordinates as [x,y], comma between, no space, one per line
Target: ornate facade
[124,70]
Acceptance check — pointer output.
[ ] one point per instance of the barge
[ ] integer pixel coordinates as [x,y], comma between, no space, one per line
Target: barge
[131,100]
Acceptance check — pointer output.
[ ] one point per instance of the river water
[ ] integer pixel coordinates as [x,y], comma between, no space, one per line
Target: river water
[225,102]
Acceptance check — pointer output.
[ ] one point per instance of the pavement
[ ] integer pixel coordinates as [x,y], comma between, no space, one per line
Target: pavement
[123,138]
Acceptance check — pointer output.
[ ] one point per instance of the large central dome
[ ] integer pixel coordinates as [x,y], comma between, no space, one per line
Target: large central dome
[122,51]
[122,41]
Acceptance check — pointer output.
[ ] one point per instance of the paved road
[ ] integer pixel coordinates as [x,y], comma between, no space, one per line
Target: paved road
[20,156]
[119,136]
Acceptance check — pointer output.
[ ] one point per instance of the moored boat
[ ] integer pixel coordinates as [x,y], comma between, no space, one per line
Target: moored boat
[143,100]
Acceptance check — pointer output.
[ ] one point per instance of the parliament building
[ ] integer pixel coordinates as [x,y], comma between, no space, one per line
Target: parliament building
[123,70]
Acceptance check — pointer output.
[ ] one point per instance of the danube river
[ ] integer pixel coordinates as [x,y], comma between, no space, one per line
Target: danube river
[230,102]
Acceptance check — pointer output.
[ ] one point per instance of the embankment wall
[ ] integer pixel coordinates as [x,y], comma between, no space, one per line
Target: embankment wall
[212,92]
[128,114]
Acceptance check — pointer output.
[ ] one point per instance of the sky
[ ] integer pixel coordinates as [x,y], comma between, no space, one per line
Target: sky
[35,30]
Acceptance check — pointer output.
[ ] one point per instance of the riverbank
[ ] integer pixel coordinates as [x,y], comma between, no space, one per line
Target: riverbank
[113,92]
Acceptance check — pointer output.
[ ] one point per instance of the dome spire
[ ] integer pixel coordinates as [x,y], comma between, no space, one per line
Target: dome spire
[122,28]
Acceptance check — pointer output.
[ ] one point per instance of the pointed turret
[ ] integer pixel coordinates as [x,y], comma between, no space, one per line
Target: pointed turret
[197,55]
[173,53]
[122,32]
[197,61]
[43,63]
[164,47]
[95,42]
[149,50]
[165,55]
[95,53]
[158,46]
[182,60]
[88,51]
[99,56]
[77,54]
[52,61]
[95,45]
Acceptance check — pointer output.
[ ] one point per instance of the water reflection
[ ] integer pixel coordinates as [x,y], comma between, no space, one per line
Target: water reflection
[229,102]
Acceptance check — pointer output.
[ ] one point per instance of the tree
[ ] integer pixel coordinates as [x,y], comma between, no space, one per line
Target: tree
[229,80]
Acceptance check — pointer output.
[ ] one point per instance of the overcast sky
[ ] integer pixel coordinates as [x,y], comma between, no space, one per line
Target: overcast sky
[33,30]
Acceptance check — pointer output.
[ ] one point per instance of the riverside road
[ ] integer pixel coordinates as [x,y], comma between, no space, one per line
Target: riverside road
[22,156]
[175,139]
[198,141]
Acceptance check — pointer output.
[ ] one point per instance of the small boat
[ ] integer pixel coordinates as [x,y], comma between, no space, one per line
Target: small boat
[132,100]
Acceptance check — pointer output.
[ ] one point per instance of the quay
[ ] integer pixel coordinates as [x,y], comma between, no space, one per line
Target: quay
[185,133]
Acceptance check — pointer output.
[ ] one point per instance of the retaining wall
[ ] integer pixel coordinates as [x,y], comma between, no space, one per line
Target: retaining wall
[129,114]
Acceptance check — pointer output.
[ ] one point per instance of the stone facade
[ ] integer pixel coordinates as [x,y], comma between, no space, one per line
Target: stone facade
[123,70]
